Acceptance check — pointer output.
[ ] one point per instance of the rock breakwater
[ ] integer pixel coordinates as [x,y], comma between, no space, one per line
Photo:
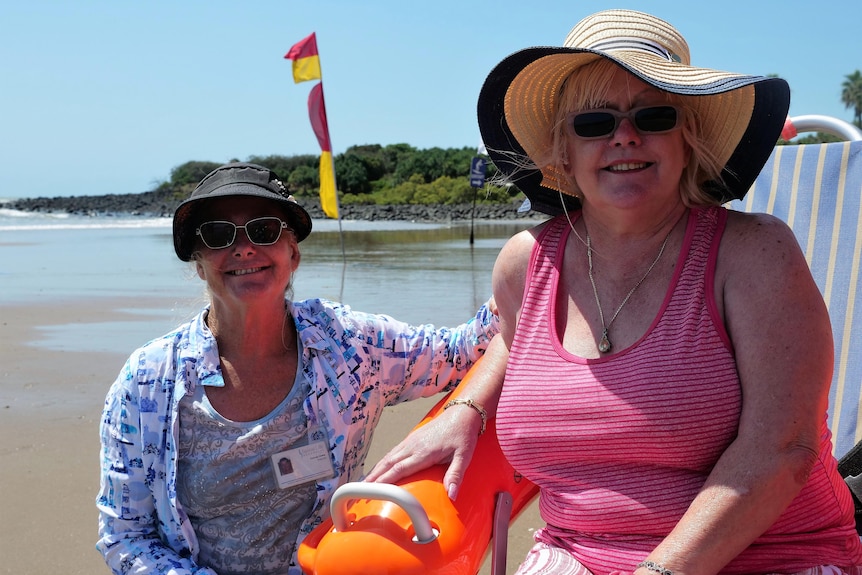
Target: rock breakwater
[162,204]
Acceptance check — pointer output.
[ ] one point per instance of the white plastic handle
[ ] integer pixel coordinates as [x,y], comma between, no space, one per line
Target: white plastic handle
[828,124]
[387,492]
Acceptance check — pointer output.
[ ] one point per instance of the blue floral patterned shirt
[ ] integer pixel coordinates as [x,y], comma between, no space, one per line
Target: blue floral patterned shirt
[356,363]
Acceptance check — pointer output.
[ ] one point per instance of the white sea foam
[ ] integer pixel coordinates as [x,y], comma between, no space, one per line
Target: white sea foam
[7,213]
[16,220]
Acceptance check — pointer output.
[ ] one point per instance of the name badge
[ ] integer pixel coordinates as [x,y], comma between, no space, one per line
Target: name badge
[302,464]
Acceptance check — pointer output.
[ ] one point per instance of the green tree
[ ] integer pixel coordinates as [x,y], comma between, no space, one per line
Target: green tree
[372,157]
[851,95]
[285,165]
[434,163]
[352,174]
[370,174]
[304,181]
[394,154]
[191,172]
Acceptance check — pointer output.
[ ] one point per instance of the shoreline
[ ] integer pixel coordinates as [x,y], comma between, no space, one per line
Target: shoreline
[50,407]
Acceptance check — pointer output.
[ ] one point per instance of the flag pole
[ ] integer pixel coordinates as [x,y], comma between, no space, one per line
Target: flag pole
[477,180]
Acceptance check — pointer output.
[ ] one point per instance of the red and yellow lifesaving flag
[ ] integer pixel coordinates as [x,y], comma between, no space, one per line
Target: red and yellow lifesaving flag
[317,113]
[306,66]
[306,61]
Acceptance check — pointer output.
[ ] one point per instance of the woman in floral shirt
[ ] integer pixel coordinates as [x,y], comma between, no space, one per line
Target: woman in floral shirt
[223,440]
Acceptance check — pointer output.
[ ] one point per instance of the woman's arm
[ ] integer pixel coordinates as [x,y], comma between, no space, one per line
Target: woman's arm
[510,278]
[779,326]
[453,434]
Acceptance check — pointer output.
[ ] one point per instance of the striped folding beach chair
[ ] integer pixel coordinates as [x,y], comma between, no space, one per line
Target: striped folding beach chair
[817,191]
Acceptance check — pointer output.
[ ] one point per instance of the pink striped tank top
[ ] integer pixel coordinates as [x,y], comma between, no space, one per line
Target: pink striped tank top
[620,445]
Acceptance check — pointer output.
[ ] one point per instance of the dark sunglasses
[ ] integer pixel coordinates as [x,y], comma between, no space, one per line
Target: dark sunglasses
[601,123]
[260,231]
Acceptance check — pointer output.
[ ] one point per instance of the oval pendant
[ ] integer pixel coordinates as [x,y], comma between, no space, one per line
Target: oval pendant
[605,344]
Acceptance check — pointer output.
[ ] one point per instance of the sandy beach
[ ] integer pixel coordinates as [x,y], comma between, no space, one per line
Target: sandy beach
[50,404]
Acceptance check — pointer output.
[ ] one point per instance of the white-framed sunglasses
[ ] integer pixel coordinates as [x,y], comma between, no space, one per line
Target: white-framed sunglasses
[217,235]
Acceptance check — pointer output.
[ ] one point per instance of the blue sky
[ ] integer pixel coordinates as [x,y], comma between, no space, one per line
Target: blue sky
[108,96]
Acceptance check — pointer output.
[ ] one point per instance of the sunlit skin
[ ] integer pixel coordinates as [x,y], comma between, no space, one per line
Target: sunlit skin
[247,286]
[630,174]
[245,274]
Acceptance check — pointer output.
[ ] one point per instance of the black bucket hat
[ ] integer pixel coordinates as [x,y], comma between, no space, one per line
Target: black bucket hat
[236,179]
[740,116]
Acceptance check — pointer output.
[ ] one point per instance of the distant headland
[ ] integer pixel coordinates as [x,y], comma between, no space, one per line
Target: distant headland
[162,203]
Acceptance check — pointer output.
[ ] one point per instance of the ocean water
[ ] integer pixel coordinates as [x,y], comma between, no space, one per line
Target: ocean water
[420,273]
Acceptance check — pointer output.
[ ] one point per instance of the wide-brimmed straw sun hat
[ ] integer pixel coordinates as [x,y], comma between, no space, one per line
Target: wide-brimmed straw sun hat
[740,116]
[235,179]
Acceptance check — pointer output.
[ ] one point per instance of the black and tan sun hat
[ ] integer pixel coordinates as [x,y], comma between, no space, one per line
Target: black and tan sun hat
[740,116]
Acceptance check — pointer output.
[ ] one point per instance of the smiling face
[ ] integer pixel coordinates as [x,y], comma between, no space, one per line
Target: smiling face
[628,167]
[246,273]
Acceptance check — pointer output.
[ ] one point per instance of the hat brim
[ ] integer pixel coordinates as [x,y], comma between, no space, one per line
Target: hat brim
[742,116]
[186,215]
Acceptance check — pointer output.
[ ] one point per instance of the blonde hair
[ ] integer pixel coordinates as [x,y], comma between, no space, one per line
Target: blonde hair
[586,88]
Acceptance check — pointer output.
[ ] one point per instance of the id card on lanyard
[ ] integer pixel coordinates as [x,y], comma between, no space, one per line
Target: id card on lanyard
[304,463]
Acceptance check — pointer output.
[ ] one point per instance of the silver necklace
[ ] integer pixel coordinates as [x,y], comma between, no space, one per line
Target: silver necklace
[571,225]
[605,343]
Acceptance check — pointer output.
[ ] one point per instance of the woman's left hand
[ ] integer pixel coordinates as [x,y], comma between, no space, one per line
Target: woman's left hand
[450,437]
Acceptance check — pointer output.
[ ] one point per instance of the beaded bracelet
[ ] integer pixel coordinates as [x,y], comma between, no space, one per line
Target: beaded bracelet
[654,567]
[470,403]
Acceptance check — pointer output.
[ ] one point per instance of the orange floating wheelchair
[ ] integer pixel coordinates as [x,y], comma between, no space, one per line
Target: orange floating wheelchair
[413,527]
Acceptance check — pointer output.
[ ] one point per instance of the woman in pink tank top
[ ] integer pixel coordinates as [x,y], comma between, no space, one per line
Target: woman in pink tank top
[669,361]
[658,389]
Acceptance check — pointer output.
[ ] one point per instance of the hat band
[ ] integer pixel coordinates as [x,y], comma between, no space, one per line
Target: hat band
[640,44]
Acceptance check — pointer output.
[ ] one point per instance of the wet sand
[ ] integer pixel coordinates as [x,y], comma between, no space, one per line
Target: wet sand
[50,404]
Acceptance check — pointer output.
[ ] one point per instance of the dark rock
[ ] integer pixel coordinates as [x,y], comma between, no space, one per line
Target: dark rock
[160,203]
